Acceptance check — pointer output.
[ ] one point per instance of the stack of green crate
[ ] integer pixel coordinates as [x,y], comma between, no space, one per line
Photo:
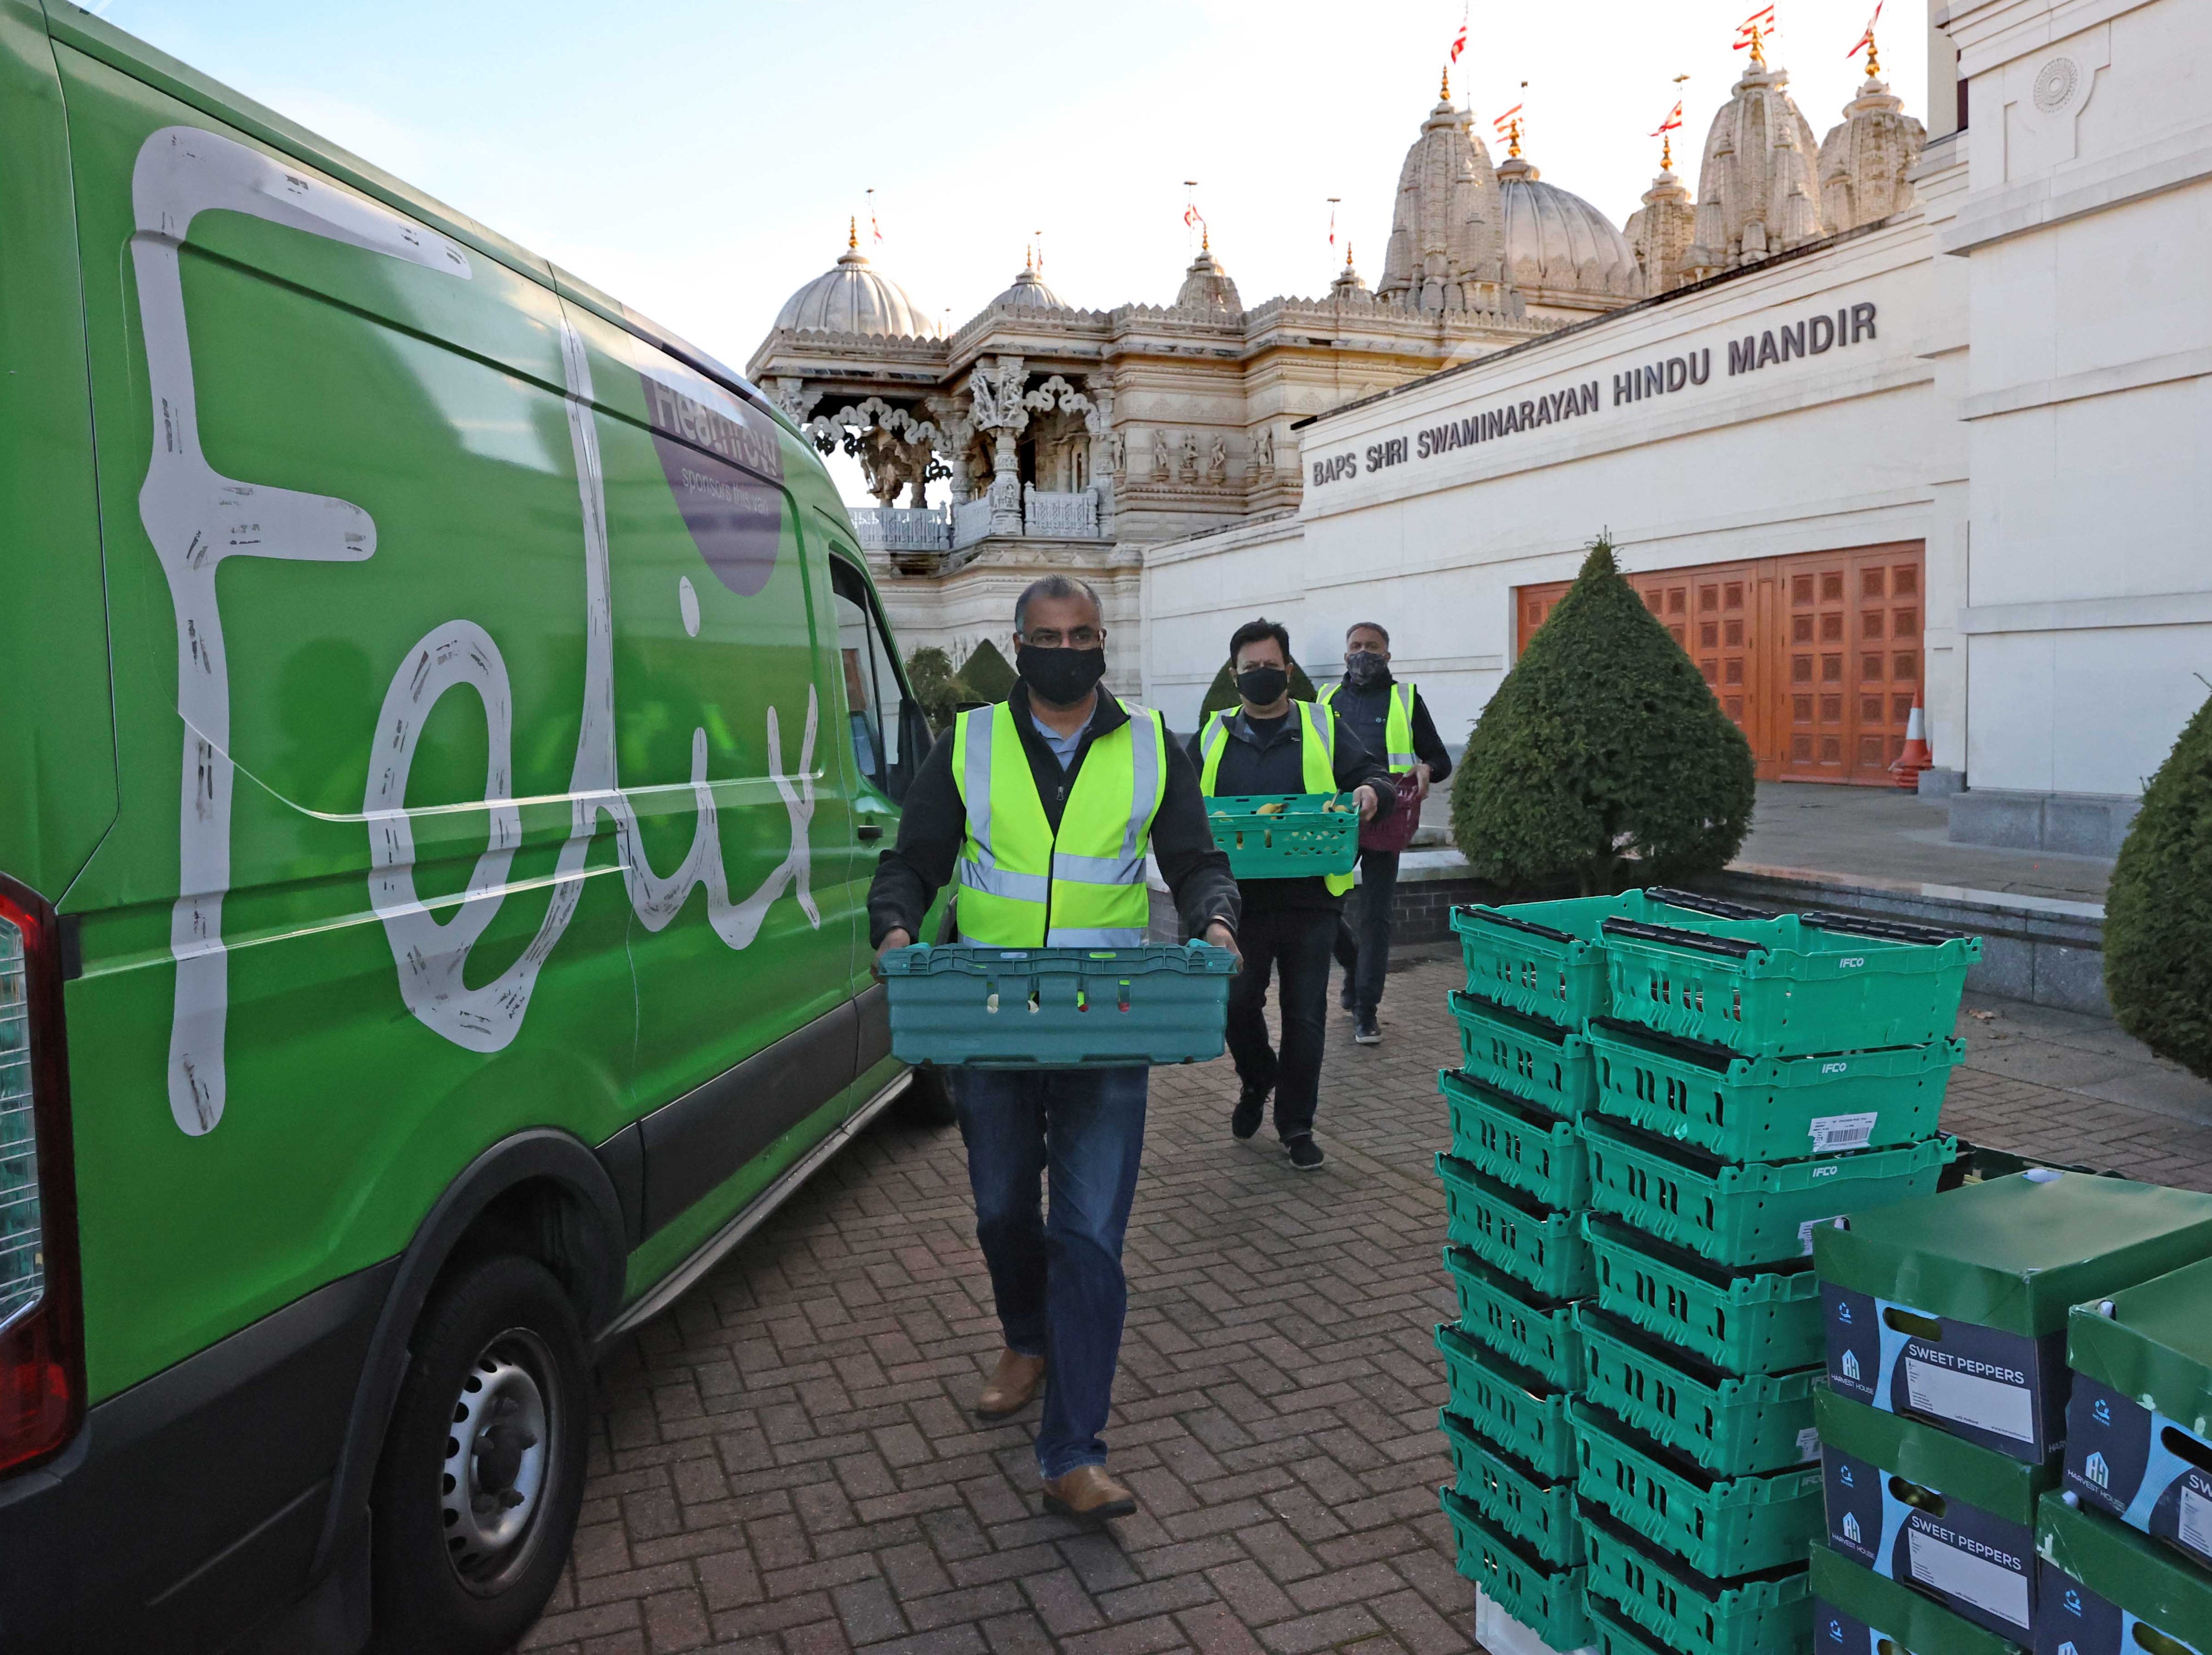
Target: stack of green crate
[1516,1186]
[1755,1079]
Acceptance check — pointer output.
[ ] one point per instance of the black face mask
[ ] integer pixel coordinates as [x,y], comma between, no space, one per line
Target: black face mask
[1364,669]
[1062,677]
[1261,686]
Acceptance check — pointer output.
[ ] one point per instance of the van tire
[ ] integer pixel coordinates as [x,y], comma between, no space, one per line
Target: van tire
[499,1336]
[927,1102]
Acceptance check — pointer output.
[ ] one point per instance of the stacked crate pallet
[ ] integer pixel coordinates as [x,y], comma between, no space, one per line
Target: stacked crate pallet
[1733,1081]
[1755,1079]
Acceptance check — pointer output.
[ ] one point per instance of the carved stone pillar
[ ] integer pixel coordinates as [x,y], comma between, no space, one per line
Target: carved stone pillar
[1107,450]
[999,408]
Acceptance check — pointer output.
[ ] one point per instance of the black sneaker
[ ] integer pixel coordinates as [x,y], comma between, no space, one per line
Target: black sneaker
[1305,1154]
[1251,1106]
[1364,1032]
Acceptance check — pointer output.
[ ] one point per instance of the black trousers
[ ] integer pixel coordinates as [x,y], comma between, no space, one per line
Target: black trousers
[1362,936]
[1292,943]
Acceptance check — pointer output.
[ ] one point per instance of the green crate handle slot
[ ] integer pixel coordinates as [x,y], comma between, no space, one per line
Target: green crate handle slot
[1735,947]
[1768,1612]
[1888,930]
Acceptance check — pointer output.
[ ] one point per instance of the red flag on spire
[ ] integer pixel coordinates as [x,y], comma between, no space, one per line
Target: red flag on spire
[1192,217]
[1673,123]
[1759,23]
[1459,40]
[1866,39]
[1506,119]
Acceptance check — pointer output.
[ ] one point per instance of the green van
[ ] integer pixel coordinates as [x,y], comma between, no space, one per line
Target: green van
[444,731]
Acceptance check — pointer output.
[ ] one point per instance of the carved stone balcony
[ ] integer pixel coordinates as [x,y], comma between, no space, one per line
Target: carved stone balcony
[1059,516]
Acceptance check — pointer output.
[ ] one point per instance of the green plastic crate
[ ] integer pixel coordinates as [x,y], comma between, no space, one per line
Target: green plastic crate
[1512,1234]
[1524,1058]
[1732,1425]
[1791,986]
[966,1006]
[1769,1109]
[1511,1497]
[1742,1321]
[1310,834]
[1548,1601]
[1769,1613]
[1545,958]
[1516,1143]
[1537,1334]
[1720,1526]
[1762,1213]
[1510,1405]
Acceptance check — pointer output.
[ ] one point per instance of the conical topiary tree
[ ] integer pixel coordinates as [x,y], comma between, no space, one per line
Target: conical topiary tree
[1222,692]
[1604,743]
[987,674]
[2158,914]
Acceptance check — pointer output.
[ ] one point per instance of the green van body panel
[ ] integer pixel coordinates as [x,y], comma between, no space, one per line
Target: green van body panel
[475,758]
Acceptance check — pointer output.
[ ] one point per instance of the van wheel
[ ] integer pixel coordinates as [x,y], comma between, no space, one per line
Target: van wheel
[475,1504]
[928,1100]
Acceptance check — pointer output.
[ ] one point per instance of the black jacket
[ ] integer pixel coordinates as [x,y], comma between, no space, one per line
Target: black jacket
[934,826]
[1368,713]
[1272,761]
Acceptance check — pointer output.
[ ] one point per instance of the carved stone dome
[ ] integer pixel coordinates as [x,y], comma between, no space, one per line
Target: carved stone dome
[1558,244]
[852,297]
[1446,245]
[1027,292]
[1759,189]
[1206,286]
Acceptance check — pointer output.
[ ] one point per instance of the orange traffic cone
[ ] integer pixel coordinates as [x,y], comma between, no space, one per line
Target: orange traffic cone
[1916,758]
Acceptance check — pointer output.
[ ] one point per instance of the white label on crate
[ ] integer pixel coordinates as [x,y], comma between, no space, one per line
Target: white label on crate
[2195,1524]
[1805,1233]
[1808,1443]
[1833,1132]
[1985,1405]
[1976,1580]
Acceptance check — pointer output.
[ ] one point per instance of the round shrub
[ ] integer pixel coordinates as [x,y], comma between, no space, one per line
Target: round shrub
[2158,914]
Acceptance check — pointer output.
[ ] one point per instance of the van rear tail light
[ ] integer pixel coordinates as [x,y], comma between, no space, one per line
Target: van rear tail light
[41,1349]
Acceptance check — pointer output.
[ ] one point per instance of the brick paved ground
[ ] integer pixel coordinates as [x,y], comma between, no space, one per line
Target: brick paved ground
[786,1462]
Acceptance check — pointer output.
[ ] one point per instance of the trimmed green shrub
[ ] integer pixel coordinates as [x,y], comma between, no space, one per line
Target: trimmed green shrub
[936,685]
[2158,914]
[1602,744]
[986,673]
[1222,692]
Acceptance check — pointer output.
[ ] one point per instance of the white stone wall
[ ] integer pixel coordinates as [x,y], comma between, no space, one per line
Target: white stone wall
[2086,237]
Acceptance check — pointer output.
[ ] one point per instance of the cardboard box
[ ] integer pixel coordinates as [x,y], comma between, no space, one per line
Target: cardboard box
[1916,1505]
[1953,1306]
[2139,1428]
[2106,1590]
[1857,1612]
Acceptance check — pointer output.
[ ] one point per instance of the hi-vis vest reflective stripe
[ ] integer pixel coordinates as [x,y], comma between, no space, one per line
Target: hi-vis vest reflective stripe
[1022,886]
[1317,762]
[1398,726]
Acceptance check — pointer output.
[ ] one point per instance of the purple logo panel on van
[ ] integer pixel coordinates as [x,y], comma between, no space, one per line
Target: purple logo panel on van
[717,469]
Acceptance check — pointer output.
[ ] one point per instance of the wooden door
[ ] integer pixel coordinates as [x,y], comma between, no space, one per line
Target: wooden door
[1814,657]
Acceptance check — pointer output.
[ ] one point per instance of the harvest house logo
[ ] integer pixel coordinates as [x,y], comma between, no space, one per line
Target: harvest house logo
[1811,336]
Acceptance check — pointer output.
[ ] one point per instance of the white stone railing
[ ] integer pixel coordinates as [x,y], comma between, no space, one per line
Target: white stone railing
[903,528]
[971,520]
[1064,516]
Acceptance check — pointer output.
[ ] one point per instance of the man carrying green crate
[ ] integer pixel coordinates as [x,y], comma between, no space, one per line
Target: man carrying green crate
[1042,807]
[1272,745]
[1391,718]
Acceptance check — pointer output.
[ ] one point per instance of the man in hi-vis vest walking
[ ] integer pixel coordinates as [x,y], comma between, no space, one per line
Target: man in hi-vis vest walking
[1389,716]
[1273,745]
[1042,807]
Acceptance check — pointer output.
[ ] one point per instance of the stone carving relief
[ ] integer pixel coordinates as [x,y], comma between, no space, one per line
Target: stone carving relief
[1187,469]
[1163,459]
[1217,461]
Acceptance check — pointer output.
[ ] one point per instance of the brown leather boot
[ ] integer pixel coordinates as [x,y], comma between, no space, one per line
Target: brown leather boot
[1011,1387]
[1089,1495]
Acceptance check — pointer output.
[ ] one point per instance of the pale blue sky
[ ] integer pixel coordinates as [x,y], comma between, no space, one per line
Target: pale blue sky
[700,160]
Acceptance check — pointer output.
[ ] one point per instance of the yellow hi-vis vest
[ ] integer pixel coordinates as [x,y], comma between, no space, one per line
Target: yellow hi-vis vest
[1398,728]
[1317,760]
[1023,886]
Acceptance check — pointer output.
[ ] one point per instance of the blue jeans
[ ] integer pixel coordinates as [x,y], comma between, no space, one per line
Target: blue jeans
[1056,1275]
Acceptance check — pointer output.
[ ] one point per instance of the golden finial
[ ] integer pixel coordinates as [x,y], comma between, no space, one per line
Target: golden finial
[1445,94]
[1513,138]
[1205,240]
[852,234]
[1348,255]
[1025,259]
[1666,154]
[1874,59]
[1758,47]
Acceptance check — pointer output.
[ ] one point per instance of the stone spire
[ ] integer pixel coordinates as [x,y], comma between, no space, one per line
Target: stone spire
[1447,230]
[1206,286]
[1864,160]
[1759,190]
[1661,229]
[1349,284]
